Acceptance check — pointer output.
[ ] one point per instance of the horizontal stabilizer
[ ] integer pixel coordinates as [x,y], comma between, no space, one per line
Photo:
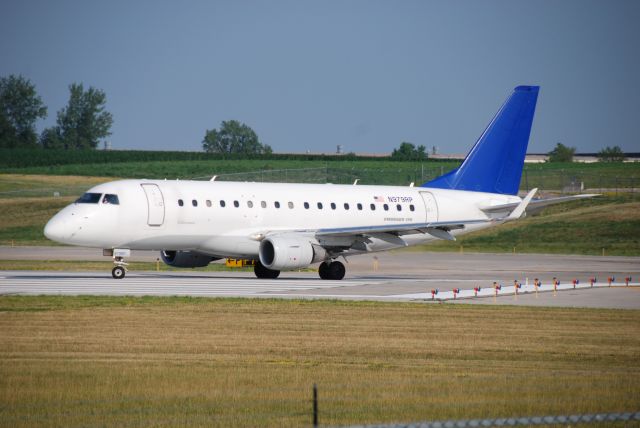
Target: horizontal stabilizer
[536,204]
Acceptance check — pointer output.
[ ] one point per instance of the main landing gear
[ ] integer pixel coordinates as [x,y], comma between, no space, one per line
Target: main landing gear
[331,270]
[263,272]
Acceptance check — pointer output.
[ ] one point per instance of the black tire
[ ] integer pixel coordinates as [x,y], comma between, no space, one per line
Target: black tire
[323,270]
[337,270]
[118,272]
[265,273]
[331,270]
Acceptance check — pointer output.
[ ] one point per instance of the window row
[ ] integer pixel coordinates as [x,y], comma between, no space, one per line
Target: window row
[306,205]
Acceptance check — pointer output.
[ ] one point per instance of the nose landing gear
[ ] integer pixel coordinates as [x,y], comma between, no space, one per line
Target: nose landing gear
[118,272]
[118,254]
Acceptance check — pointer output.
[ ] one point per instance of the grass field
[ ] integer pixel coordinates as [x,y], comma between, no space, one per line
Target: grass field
[546,176]
[107,361]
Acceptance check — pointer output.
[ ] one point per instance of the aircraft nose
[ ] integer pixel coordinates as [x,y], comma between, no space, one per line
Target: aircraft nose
[56,229]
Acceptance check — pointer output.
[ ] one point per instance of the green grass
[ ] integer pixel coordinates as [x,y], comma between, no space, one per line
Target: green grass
[369,172]
[546,176]
[21,185]
[121,361]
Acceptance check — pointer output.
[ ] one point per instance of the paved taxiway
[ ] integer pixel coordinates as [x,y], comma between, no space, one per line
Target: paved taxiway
[396,276]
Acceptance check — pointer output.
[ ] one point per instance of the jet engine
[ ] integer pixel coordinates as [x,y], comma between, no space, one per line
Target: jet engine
[185,259]
[286,252]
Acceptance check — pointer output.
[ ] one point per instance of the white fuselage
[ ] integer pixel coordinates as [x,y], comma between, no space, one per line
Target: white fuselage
[150,216]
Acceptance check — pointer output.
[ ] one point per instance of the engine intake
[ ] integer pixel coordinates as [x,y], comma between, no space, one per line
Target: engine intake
[286,252]
[185,259]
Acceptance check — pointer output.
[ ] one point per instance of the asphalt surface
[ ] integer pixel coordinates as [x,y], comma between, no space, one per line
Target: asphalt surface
[392,276]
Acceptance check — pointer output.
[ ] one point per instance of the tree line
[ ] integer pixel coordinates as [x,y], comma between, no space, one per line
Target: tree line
[562,153]
[81,124]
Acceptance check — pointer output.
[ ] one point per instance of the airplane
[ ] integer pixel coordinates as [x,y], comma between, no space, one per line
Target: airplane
[284,226]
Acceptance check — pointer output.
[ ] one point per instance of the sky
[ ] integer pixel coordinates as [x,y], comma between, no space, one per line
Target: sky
[311,75]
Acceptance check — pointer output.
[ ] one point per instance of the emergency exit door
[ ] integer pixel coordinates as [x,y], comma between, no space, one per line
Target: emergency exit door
[155,204]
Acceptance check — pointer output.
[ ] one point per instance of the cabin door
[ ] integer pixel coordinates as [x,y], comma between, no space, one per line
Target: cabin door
[430,206]
[155,204]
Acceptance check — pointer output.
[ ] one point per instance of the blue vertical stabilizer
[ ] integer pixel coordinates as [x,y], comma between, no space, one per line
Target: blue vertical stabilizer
[494,164]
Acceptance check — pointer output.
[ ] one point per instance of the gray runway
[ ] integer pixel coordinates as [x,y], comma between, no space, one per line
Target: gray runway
[391,276]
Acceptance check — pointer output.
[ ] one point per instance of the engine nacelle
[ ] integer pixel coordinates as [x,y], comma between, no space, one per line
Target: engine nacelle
[185,259]
[286,252]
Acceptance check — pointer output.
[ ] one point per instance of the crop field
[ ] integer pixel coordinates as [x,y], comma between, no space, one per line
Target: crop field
[558,177]
[108,361]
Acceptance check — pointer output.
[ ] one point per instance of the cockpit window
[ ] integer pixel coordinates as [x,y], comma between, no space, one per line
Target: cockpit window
[89,198]
[110,199]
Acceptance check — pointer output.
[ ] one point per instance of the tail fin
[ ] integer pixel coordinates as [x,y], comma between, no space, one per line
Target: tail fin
[494,164]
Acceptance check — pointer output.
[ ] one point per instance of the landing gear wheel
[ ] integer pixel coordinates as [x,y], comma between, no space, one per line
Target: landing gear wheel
[323,270]
[118,272]
[331,270]
[265,273]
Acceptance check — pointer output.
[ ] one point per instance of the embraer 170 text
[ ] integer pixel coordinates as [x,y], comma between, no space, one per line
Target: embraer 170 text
[291,226]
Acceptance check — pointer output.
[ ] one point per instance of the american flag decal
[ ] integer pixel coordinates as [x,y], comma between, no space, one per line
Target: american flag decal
[378,198]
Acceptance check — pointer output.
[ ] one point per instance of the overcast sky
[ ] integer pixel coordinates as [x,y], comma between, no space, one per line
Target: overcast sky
[309,75]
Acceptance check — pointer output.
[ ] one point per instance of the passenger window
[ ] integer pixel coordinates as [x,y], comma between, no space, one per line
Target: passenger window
[333,206]
[276,204]
[236,204]
[346,206]
[373,207]
[180,203]
[194,203]
[412,208]
[399,207]
[110,199]
[360,207]
[208,203]
[89,198]
[222,203]
[263,204]
[386,207]
[306,205]
[319,205]
[250,204]
[290,205]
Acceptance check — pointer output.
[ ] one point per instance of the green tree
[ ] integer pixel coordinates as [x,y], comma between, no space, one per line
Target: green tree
[50,138]
[233,137]
[407,151]
[20,107]
[562,153]
[611,154]
[82,123]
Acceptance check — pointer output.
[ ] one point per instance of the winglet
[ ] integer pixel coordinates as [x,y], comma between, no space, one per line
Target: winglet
[517,213]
